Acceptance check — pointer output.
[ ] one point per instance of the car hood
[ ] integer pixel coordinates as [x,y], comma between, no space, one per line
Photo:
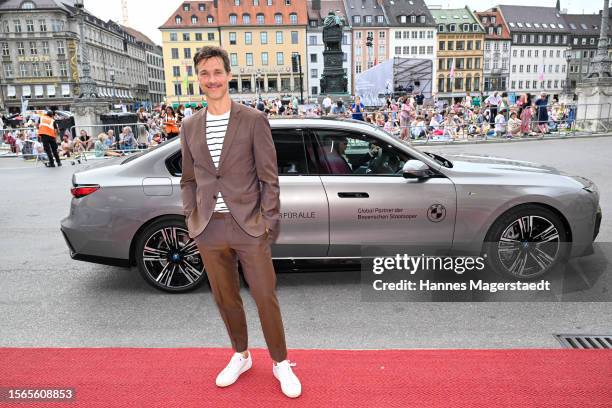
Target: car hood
[484,163]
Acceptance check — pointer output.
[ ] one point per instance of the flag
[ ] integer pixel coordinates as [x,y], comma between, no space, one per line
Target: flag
[452,70]
[541,73]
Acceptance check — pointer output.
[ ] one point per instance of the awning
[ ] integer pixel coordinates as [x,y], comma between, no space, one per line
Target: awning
[11,91]
[51,90]
[38,90]
[26,91]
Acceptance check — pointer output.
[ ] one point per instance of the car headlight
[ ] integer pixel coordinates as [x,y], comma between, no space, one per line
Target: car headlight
[587,184]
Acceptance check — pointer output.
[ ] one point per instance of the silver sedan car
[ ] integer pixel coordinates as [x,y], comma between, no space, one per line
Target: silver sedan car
[345,186]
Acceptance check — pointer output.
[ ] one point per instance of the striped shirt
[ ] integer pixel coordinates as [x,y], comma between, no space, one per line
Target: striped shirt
[216,126]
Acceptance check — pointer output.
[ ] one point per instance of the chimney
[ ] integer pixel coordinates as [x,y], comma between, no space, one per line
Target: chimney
[316,5]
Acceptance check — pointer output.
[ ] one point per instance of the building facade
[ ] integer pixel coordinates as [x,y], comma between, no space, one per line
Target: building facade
[539,41]
[367,20]
[497,44]
[154,59]
[459,53]
[317,11]
[584,30]
[412,32]
[40,62]
[193,25]
[261,36]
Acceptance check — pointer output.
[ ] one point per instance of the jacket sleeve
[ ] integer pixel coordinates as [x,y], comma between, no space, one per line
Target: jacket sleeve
[267,172]
[188,183]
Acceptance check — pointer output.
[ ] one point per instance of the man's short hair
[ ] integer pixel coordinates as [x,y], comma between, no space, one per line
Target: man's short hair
[211,51]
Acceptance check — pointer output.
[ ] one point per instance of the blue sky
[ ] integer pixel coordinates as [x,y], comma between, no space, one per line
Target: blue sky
[146,16]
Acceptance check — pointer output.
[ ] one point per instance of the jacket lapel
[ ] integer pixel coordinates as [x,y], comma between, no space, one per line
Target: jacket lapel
[232,128]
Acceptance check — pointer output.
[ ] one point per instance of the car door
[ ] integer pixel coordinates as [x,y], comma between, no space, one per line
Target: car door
[372,204]
[304,230]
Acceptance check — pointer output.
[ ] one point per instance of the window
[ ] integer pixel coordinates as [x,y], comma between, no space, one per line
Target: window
[42,25]
[380,19]
[513,69]
[260,18]
[186,37]
[176,71]
[368,19]
[8,70]
[452,28]
[248,38]
[201,7]
[36,69]
[263,37]
[290,152]
[210,19]
[346,153]
[48,69]
[30,26]
[413,19]
[211,36]
[178,20]
[451,45]
[279,37]
[17,26]
[441,84]
[187,52]
[314,73]
[198,36]
[513,85]
[249,59]
[278,18]
[246,18]
[294,37]
[175,53]
[465,27]
[23,70]
[280,58]
[63,69]
[194,20]
[234,59]
[5,50]
[422,19]
[33,49]
[232,38]
[177,89]
[233,19]
[441,28]
[173,37]
[441,45]
[430,50]
[264,58]
[356,19]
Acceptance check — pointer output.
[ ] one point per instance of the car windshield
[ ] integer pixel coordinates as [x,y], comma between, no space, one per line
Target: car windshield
[144,152]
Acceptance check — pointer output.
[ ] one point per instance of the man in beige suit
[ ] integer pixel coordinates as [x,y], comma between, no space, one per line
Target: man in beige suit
[230,193]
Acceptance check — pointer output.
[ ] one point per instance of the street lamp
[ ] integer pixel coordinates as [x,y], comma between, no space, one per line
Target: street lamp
[112,78]
[87,84]
[567,89]
[258,86]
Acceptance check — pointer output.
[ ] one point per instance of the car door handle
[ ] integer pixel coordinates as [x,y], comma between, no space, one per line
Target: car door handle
[353,195]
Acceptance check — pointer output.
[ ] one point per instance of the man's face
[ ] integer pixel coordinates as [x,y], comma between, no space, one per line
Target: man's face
[111,132]
[213,78]
[342,144]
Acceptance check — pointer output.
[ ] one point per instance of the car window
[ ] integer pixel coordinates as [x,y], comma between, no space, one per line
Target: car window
[348,153]
[290,154]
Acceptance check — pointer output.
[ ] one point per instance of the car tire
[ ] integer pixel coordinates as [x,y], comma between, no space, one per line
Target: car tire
[526,242]
[167,258]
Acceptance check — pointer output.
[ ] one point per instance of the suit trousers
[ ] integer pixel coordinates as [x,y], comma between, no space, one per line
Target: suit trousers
[222,244]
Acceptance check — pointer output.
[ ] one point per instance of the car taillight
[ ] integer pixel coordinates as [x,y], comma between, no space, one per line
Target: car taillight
[79,192]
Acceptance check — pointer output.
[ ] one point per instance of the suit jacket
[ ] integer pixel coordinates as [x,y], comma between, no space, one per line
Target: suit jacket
[247,176]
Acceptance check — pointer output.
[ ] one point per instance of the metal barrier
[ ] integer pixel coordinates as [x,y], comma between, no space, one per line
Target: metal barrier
[117,146]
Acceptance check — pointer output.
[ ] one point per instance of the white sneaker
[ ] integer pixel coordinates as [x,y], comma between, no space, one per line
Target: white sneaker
[237,365]
[290,384]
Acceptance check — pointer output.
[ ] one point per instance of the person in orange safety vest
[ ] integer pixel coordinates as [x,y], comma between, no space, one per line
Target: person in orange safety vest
[46,131]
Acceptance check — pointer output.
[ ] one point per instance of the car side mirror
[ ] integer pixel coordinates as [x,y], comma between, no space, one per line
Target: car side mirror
[415,169]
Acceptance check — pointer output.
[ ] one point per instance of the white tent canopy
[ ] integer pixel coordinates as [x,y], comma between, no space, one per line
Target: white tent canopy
[373,84]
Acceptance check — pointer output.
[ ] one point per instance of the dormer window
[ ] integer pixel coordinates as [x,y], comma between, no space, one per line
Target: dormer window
[368,19]
[28,5]
[210,19]
[499,30]
[422,19]
[413,19]
[484,19]
[452,27]
[194,20]
[475,27]
[441,28]
[490,30]
[186,7]
[493,19]
[178,20]
[201,7]
[403,19]
[466,27]
[356,19]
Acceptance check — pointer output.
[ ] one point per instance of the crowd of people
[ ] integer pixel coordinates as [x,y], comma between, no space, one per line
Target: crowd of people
[408,117]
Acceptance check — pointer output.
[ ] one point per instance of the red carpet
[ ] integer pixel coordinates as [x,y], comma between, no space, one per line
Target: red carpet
[184,377]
